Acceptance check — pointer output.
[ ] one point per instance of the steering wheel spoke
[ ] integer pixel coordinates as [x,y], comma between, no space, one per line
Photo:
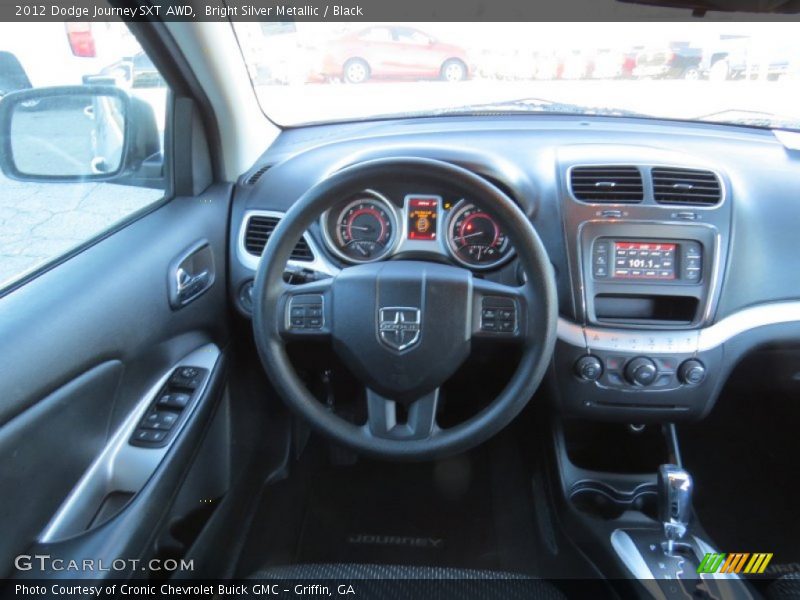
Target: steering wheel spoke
[383,417]
[305,310]
[500,312]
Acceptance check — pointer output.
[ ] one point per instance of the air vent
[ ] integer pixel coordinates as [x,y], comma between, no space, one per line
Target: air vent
[259,228]
[257,175]
[685,186]
[607,184]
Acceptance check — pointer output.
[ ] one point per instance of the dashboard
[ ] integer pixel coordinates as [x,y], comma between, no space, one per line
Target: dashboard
[673,244]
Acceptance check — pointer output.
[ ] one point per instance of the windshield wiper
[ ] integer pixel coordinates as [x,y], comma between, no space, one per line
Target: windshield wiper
[522,106]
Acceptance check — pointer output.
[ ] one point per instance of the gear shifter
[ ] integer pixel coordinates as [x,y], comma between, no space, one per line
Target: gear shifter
[674,502]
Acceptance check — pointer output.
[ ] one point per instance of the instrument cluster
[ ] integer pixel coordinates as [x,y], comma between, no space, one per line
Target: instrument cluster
[369,226]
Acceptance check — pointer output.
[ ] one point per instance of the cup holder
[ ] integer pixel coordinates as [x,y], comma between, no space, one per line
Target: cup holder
[601,500]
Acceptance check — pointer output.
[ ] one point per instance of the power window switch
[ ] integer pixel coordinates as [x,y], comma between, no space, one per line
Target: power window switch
[147,435]
[162,420]
[175,400]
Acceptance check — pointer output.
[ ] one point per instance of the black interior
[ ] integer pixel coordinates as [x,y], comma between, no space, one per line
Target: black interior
[251,482]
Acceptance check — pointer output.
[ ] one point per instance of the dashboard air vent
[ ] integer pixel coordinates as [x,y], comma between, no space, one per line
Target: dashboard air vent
[257,175]
[685,186]
[259,228]
[607,184]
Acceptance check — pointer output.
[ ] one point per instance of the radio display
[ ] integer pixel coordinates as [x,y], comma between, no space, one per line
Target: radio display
[422,215]
[644,260]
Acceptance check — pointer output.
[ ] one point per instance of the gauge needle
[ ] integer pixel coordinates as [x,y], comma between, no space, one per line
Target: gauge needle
[360,228]
[469,235]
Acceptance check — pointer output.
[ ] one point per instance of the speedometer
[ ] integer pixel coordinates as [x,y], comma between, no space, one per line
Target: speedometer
[475,239]
[365,229]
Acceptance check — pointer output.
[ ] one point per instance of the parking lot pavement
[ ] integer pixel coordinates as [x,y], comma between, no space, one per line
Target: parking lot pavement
[39,222]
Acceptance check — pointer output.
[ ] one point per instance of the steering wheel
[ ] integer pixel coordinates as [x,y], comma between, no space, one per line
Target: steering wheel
[404,327]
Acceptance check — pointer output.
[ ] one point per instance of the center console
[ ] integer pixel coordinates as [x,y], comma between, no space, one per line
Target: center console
[647,246]
[626,502]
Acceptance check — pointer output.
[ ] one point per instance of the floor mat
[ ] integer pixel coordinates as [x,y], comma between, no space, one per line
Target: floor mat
[474,511]
[422,514]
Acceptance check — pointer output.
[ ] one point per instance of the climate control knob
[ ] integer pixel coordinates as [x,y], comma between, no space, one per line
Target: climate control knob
[588,368]
[641,371]
[692,372]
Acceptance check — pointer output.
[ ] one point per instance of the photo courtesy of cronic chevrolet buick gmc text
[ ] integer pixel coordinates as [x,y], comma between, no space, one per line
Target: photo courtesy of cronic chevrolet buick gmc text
[414,309]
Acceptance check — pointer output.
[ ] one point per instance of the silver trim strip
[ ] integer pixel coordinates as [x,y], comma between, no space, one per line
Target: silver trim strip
[121,467]
[319,263]
[632,559]
[747,319]
[678,341]
[571,333]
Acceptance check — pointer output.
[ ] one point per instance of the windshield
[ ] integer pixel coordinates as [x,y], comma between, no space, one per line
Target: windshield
[745,73]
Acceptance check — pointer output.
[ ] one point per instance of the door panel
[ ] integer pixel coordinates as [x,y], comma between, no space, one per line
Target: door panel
[48,447]
[82,344]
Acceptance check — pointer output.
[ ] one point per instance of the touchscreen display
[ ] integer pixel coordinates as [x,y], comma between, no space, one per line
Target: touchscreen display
[422,215]
[644,260]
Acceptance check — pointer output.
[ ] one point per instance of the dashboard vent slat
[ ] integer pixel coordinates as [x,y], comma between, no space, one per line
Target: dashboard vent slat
[686,186]
[610,184]
[259,228]
[253,179]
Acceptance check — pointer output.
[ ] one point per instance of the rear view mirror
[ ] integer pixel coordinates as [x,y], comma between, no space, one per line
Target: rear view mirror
[78,133]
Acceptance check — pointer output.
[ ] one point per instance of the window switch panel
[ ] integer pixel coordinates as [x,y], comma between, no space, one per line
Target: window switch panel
[163,415]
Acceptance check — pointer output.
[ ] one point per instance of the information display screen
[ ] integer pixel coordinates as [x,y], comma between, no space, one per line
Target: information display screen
[422,215]
[644,260]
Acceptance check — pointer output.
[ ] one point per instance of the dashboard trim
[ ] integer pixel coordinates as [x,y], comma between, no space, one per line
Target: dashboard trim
[250,261]
[678,341]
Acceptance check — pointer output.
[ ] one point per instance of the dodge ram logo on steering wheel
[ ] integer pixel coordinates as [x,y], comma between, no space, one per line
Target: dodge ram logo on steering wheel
[399,327]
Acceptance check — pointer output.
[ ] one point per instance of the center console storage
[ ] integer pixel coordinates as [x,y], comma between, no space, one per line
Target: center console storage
[608,469]
[645,308]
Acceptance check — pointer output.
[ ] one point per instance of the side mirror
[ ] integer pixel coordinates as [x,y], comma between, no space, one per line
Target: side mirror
[74,133]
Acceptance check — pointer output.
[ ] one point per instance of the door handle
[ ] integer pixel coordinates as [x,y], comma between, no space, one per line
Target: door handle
[191,274]
[186,283]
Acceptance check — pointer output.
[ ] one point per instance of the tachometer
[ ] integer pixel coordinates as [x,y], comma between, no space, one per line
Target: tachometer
[365,229]
[475,239]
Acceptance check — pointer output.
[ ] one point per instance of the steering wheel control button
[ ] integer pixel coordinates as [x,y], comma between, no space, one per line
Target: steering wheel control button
[305,312]
[641,371]
[588,368]
[498,314]
[692,372]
